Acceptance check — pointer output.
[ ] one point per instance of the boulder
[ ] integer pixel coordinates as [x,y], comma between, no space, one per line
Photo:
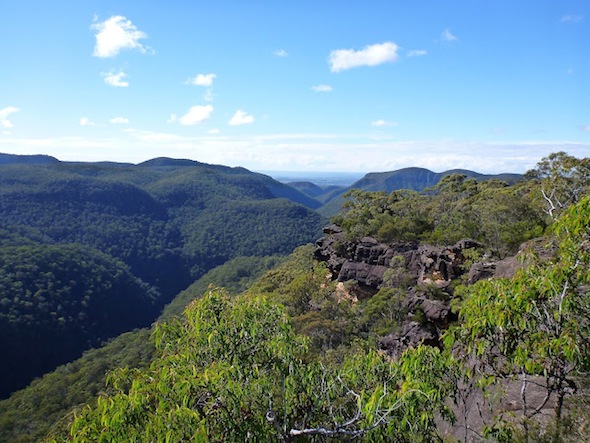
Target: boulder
[365,261]
[412,334]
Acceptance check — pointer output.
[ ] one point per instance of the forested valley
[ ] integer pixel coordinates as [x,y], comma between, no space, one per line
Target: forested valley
[452,311]
[89,251]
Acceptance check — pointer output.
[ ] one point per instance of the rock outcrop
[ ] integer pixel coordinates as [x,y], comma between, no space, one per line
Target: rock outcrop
[367,260]
[430,270]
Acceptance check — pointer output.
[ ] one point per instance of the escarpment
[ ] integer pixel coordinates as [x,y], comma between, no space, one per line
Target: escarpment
[426,274]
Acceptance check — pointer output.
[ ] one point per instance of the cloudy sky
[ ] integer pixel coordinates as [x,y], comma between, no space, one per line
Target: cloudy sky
[323,85]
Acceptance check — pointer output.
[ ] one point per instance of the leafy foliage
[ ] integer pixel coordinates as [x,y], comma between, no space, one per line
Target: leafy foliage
[498,215]
[236,371]
[51,401]
[537,323]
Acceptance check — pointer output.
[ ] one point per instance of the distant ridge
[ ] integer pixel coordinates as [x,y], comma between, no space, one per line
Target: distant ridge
[166,161]
[414,178]
[326,199]
[38,159]
[418,179]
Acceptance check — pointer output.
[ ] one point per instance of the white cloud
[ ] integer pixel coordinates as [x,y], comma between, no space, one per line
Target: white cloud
[281,53]
[572,18]
[241,118]
[448,36]
[380,123]
[202,80]
[195,115]
[85,121]
[304,151]
[120,121]
[416,52]
[114,34]
[372,55]
[4,113]
[322,88]
[110,78]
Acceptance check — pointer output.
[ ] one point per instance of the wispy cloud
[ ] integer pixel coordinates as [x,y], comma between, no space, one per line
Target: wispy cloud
[571,18]
[380,123]
[281,53]
[322,88]
[4,113]
[195,115]
[115,34]
[241,118]
[120,120]
[372,55]
[202,80]
[416,52]
[448,36]
[305,151]
[85,121]
[116,80]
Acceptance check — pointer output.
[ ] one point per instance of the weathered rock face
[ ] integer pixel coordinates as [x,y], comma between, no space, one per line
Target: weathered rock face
[436,315]
[440,266]
[543,248]
[366,262]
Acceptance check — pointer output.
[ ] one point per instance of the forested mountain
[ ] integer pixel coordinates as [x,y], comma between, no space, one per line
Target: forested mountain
[394,327]
[7,159]
[414,179]
[418,179]
[294,359]
[90,250]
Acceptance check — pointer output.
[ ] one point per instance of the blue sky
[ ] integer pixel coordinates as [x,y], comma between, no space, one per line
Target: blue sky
[363,86]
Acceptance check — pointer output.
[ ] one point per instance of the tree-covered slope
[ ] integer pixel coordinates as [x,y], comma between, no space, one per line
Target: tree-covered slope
[165,222]
[520,350]
[341,318]
[58,300]
[163,218]
[47,403]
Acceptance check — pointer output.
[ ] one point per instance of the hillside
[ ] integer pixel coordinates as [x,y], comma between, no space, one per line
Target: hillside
[299,349]
[28,414]
[400,270]
[162,224]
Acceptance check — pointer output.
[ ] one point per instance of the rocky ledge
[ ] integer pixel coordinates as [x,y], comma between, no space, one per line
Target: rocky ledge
[367,260]
[429,272]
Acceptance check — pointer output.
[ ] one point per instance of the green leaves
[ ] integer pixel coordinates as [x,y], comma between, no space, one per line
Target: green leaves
[536,323]
[498,215]
[234,370]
